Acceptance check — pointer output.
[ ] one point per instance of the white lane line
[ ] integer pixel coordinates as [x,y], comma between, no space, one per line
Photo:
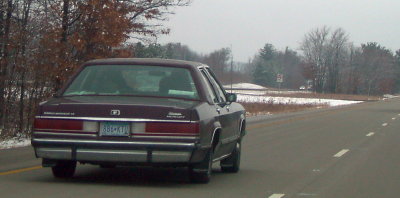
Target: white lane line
[307,194]
[370,134]
[276,196]
[393,118]
[384,124]
[341,153]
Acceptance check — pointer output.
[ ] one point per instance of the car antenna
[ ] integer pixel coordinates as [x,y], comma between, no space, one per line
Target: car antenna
[231,69]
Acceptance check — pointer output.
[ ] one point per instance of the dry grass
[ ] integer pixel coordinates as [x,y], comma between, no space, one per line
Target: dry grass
[327,96]
[271,108]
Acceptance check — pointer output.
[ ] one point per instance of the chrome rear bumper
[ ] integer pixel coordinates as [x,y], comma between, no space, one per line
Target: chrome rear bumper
[113,151]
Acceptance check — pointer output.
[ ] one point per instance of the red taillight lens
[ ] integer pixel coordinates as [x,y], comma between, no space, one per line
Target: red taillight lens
[178,128]
[52,124]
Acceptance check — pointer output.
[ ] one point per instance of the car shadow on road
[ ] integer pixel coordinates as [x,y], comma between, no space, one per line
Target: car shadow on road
[131,176]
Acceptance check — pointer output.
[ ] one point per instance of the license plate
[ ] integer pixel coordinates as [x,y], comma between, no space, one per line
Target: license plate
[114,129]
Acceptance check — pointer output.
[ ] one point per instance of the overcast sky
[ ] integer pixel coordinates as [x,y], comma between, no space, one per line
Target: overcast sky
[207,25]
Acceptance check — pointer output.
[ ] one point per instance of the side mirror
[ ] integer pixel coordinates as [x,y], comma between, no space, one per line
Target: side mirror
[231,97]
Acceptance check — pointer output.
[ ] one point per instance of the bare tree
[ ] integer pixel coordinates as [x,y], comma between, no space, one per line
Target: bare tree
[314,47]
[325,52]
[5,27]
[336,56]
[218,61]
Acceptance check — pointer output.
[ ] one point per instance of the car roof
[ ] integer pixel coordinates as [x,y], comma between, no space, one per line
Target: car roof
[144,61]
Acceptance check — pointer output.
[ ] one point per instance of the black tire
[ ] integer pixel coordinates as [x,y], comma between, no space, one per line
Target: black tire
[64,169]
[201,173]
[232,163]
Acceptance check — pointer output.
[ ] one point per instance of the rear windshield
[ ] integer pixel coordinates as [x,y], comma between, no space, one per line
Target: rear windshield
[133,80]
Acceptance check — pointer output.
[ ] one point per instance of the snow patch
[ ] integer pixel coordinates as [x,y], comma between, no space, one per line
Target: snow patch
[253,89]
[245,86]
[248,92]
[262,92]
[288,100]
[389,96]
[15,142]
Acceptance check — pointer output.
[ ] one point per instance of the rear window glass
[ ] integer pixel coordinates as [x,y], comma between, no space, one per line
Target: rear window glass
[133,80]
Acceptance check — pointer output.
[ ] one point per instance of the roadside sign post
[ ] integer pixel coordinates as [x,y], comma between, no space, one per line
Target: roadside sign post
[279,80]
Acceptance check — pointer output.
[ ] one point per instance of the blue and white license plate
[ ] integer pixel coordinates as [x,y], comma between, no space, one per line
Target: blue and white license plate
[114,129]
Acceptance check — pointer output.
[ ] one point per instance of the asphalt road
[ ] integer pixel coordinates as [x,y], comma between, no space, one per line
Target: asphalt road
[345,152]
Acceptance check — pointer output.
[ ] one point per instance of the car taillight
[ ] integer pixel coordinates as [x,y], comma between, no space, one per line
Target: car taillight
[53,124]
[178,128]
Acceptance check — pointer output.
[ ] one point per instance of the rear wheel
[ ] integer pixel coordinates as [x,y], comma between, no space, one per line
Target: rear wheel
[64,169]
[201,173]
[232,163]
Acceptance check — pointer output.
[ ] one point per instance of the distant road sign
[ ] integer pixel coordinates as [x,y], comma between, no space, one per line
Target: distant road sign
[279,78]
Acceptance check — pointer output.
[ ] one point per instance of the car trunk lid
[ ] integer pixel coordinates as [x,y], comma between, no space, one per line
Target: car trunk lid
[148,108]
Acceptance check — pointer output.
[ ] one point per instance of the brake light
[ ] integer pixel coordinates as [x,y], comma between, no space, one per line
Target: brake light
[179,128]
[53,124]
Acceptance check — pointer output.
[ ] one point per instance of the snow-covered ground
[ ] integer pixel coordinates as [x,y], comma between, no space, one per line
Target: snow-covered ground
[258,94]
[288,100]
[389,96]
[245,86]
[262,92]
[13,143]
[253,89]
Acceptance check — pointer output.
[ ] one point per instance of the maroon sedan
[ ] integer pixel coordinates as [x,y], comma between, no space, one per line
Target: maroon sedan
[134,112]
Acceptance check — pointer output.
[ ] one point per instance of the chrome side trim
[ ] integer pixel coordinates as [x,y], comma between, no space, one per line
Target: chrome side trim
[241,125]
[62,130]
[132,136]
[86,103]
[221,158]
[68,134]
[49,140]
[202,66]
[163,134]
[113,119]
[165,137]
[212,139]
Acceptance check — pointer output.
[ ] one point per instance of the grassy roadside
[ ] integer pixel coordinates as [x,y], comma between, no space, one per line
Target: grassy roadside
[254,109]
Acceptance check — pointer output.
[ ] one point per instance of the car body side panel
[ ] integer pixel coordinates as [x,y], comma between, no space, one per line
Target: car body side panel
[231,132]
[227,122]
[208,123]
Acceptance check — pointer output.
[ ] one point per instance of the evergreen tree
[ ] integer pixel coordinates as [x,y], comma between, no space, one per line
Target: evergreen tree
[265,66]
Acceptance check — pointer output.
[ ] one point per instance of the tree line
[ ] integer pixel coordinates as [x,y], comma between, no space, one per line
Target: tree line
[325,62]
[331,63]
[219,60]
[42,42]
